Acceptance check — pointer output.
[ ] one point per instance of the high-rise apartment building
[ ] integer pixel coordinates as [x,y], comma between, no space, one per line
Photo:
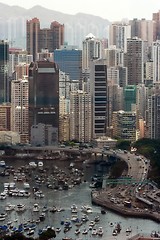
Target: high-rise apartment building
[80,116]
[18,57]
[44,94]
[156,61]
[19,110]
[135,59]
[118,34]
[92,49]
[21,70]
[113,56]
[143,29]
[5,117]
[48,38]
[4,66]
[156,19]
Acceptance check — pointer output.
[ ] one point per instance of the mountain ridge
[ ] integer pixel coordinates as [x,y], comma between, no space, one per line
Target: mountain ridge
[77,26]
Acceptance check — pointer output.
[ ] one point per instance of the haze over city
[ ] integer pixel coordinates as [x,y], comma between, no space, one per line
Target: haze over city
[112,10]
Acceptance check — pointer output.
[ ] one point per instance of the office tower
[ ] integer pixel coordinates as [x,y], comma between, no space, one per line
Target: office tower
[129,97]
[69,60]
[44,94]
[143,29]
[135,59]
[124,125]
[118,34]
[154,116]
[99,94]
[5,117]
[80,116]
[156,61]
[91,50]
[4,79]
[48,38]
[156,19]
[19,109]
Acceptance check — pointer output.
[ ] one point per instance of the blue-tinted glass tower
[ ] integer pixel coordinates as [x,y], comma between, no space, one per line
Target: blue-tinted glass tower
[69,60]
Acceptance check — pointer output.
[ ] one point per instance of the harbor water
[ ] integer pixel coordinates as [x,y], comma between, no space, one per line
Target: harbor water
[63,200]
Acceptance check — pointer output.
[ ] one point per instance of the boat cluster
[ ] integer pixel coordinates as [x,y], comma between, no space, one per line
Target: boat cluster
[82,222]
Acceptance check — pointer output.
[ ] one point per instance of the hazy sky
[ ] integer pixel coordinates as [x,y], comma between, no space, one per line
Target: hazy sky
[110,9]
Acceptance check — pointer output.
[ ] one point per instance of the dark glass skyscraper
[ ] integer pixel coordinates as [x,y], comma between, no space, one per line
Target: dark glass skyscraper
[43,93]
[4,80]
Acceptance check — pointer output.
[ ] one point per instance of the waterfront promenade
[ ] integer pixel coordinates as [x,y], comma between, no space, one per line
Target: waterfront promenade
[101,198]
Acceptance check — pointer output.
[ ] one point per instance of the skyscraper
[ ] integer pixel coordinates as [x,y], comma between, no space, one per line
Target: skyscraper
[33,29]
[129,97]
[99,95]
[43,94]
[19,110]
[80,116]
[69,60]
[135,59]
[154,116]
[92,49]
[4,67]
[144,29]
[48,38]
[119,32]
[156,61]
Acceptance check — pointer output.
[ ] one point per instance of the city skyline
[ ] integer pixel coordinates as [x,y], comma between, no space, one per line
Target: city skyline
[112,10]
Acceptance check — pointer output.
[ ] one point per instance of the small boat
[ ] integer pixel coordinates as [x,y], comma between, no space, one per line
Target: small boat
[36,207]
[58,229]
[2,163]
[30,232]
[114,233]
[129,230]
[85,231]
[40,164]
[20,207]
[77,231]
[100,231]
[103,211]
[94,231]
[97,218]
[42,216]
[9,207]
